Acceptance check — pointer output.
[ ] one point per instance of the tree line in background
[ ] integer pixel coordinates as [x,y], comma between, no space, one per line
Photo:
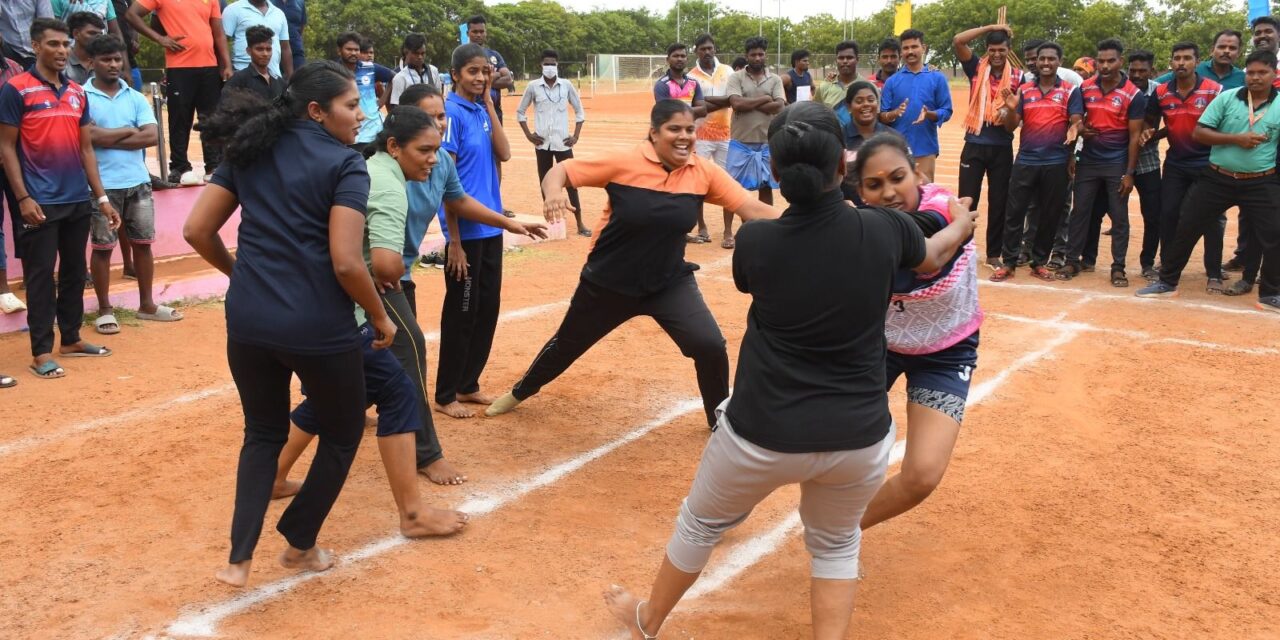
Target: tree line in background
[520,31]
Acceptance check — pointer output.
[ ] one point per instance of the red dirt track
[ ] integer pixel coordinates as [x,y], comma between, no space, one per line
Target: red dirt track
[1118,476]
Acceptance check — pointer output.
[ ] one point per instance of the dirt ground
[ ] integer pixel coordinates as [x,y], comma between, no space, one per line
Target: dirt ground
[1117,477]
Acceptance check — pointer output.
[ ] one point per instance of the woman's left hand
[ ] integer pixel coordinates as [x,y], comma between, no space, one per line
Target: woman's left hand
[556,207]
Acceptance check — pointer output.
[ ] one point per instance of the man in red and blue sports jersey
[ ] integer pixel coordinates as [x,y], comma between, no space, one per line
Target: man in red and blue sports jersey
[1114,116]
[1180,102]
[1050,111]
[48,157]
[675,84]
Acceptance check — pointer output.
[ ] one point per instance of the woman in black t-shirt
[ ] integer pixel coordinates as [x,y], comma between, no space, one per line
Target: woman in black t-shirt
[809,406]
[302,196]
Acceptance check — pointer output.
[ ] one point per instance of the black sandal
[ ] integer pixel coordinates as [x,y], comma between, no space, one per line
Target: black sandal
[1067,272]
[1119,279]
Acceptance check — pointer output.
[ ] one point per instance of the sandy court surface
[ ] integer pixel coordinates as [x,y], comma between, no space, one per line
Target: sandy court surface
[1117,477]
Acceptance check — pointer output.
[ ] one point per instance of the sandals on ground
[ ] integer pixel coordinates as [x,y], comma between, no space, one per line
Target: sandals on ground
[1002,273]
[7,381]
[1215,286]
[89,351]
[106,324]
[1067,272]
[1119,279]
[47,370]
[1238,288]
[1042,272]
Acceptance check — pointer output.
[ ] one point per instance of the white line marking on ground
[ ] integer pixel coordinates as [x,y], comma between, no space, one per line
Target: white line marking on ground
[204,623]
[1140,335]
[747,553]
[23,444]
[1127,298]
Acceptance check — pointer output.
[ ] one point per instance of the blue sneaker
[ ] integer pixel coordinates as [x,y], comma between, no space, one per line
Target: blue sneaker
[1269,303]
[1157,290]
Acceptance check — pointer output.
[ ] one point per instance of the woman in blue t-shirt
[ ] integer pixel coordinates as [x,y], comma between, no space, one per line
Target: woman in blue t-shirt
[474,137]
[297,268]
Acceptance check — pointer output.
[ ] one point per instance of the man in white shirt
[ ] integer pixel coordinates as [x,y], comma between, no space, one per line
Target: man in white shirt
[551,98]
[415,69]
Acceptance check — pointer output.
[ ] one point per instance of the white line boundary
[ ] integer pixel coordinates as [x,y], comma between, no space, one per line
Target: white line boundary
[204,622]
[22,444]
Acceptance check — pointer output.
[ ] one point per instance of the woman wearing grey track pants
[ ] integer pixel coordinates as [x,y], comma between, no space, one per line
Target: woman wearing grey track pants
[809,405]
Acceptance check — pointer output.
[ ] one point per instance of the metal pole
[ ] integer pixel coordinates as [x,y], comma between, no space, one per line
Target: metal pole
[161,154]
[760,22]
[846,19]
[779,34]
[677,20]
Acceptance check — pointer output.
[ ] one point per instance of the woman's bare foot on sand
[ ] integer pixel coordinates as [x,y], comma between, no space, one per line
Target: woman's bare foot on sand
[433,522]
[455,409]
[441,472]
[285,489]
[313,559]
[474,398]
[236,575]
[627,609]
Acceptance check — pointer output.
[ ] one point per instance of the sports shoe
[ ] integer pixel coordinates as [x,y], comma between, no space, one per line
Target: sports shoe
[10,303]
[191,179]
[1157,290]
[1269,303]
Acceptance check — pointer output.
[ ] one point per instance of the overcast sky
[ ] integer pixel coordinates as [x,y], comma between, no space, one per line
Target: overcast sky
[795,9]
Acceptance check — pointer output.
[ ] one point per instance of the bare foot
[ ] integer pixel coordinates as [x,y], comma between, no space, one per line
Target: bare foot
[474,398]
[455,409]
[236,575]
[626,608]
[441,472]
[313,559]
[285,489]
[433,522]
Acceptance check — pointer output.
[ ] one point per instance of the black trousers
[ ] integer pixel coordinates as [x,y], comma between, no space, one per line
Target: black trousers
[545,161]
[335,386]
[61,240]
[595,311]
[190,91]
[996,163]
[1174,186]
[469,319]
[1149,198]
[1092,183]
[410,348]
[1043,190]
[1213,194]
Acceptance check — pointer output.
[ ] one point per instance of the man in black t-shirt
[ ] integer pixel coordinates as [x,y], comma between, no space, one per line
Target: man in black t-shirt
[256,77]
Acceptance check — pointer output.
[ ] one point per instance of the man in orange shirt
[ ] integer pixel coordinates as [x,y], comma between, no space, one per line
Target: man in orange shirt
[196,64]
[713,130]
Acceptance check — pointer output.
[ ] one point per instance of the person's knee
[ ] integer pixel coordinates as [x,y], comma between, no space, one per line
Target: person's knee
[705,346]
[919,480]
[695,537]
[834,555]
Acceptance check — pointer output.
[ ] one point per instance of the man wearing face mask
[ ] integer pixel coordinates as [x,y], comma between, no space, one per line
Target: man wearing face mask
[551,98]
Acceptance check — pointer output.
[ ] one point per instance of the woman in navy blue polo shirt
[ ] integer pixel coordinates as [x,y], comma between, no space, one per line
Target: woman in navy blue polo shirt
[289,308]
[475,139]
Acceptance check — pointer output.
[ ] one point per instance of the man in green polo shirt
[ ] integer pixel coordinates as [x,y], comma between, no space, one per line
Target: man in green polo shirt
[1221,65]
[832,92]
[1242,126]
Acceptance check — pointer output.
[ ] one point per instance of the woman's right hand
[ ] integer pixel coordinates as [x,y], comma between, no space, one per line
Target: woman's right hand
[456,261]
[384,331]
[556,207]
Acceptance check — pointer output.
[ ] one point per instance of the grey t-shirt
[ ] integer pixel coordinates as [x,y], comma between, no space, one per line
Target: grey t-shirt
[752,127]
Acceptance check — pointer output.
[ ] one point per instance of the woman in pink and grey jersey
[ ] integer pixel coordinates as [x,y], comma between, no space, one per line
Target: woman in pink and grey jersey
[931,329]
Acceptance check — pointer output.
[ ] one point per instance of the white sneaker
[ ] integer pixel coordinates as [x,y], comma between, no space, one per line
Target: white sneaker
[191,179]
[10,303]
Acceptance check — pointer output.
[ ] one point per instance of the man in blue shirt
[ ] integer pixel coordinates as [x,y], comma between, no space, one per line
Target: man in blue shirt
[478,32]
[295,13]
[916,101]
[368,75]
[123,125]
[1221,65]
[242,14]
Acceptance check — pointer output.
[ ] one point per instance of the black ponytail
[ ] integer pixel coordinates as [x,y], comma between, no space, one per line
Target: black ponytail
[877,143]
[807,145]
[249,126]
[404,124]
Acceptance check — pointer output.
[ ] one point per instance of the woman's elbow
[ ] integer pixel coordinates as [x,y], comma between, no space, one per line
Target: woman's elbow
[346,268]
